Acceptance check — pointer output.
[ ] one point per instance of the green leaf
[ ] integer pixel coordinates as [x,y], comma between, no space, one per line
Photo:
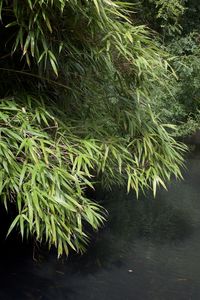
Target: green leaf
[13,224]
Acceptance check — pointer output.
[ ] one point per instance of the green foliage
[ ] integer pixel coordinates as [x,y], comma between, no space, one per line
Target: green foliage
[169,12]
[76,82]
[161,15]
[180,104]
[41,172]
[177,26]
[190,19]
[46,167]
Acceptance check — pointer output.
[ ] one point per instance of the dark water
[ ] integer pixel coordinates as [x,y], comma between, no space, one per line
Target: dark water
[149,250]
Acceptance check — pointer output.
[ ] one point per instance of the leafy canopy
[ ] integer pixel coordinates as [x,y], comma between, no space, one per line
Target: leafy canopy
[75,83]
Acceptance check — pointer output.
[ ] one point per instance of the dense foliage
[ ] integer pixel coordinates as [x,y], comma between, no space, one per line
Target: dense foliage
[177,30]
[77,83]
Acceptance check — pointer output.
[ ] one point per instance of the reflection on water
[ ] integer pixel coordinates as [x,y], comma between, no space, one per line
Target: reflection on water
[149,250]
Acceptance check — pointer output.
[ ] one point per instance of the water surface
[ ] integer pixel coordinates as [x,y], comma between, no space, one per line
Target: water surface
[149,250]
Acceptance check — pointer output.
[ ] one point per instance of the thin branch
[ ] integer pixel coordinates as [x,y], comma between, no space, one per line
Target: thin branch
[37,76]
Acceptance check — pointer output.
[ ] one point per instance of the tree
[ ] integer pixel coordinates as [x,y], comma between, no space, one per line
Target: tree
[75,83]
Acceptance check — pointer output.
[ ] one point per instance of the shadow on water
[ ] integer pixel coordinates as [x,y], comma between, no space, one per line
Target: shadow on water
[155,221]
[148,250]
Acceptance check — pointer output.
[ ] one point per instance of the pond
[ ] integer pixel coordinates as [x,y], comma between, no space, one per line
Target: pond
[149,250]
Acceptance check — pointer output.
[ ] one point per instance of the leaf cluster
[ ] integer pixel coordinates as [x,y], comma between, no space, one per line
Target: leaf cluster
[76,78]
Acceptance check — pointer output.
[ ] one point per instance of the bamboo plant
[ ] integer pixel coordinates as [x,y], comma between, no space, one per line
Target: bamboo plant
[74,111]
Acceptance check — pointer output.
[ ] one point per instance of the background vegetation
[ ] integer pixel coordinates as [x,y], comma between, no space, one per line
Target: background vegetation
[177,29]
